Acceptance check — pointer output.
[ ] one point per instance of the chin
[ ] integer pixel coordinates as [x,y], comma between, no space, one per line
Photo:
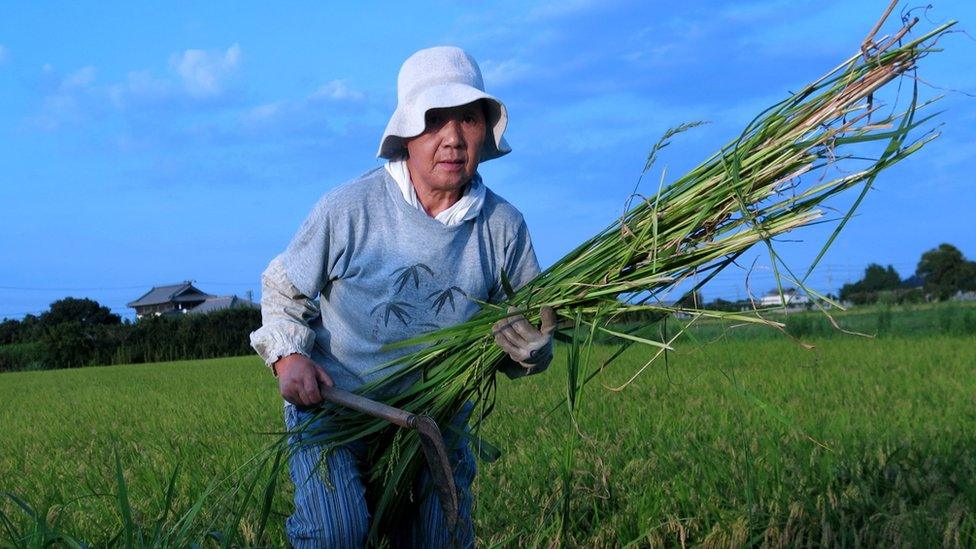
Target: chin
[454,183]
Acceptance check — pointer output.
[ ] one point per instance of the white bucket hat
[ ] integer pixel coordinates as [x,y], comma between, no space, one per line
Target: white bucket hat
[435,78]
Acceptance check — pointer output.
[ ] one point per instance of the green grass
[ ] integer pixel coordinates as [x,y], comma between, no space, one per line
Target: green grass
[61,430]
[685,452]
[855,442]
[909,320]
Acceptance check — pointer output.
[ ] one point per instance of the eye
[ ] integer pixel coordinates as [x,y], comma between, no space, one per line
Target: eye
[434,119]
[470,118]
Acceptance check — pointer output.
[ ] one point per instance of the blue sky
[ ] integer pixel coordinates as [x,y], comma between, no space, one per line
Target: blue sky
[148,144]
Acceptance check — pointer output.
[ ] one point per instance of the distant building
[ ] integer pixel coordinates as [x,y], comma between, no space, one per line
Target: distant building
[223,302]
[789,298]
[182,298]
[964,296]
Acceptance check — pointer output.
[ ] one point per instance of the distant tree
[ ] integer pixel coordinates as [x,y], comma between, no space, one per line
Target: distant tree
[30,328]
[73,344]
[20,331]
[68,345]
[76,332]
[720,304]
[876,280]
[87,312]
[849,291]
[80,332]
[9,330]
[691,300]
[945,271]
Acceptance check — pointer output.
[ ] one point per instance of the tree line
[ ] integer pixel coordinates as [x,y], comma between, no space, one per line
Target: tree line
[81,332]
[941,273]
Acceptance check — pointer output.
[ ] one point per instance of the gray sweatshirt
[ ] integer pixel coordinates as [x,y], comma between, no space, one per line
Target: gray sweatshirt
[383,271]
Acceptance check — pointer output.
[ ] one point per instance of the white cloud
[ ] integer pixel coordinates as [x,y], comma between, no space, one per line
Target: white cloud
[68,99]
[196,75]
[194,102]
[503,73]
[143,85]
[56,109]
[337,90]
[139,86]
[206,73]
[263,113]
[200,74]
[80,79]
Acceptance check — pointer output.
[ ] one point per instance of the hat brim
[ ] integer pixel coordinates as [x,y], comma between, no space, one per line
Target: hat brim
[408,120]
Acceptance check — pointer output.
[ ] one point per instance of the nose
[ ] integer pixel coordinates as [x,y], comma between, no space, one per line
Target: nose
[451,133]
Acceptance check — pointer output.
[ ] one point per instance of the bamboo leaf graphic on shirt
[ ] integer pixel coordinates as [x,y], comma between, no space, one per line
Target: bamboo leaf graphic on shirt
[411,272]
[445,296]
[395,308]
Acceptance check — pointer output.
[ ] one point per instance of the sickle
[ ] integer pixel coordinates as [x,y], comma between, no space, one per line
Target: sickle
[431,442]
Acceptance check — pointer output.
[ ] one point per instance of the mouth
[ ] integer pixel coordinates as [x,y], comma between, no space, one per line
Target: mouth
[452,165]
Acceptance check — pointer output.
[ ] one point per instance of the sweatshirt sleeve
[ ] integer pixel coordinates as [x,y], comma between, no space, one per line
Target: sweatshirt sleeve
[521,267]
[520,262]
[524,266]
[285,315]
[310,255]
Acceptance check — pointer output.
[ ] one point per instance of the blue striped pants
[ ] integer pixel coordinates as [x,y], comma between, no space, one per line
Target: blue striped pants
[330,499]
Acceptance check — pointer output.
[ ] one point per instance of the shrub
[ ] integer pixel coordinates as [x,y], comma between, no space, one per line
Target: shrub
[21,356]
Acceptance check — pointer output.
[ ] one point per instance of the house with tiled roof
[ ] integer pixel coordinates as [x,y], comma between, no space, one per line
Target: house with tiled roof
[174,299]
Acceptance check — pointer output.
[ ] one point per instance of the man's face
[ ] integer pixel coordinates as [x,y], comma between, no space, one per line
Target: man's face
[445,156]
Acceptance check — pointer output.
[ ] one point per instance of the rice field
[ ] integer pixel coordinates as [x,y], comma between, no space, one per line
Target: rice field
[739,442]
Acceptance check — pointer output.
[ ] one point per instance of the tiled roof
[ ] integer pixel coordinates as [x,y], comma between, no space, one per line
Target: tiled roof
[183,291]
[224,302]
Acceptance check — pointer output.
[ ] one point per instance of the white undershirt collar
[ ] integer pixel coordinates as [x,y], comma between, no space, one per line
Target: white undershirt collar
[467,207]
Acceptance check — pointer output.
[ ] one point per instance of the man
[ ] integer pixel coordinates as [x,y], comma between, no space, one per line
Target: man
[404,249]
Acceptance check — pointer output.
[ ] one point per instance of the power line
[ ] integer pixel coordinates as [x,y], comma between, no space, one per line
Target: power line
[106,288]
[5,315]
[36,289]
[111,308]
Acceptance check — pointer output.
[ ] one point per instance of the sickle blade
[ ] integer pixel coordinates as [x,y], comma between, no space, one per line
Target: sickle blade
[432,444]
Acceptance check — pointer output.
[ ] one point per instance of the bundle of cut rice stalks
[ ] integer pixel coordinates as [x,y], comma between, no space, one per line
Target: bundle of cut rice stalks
[768,181]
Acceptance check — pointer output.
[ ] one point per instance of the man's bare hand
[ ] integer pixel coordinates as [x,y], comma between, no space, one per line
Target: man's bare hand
[299,379]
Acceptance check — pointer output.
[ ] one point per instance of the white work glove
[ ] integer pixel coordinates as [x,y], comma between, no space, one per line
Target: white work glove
[530,348]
